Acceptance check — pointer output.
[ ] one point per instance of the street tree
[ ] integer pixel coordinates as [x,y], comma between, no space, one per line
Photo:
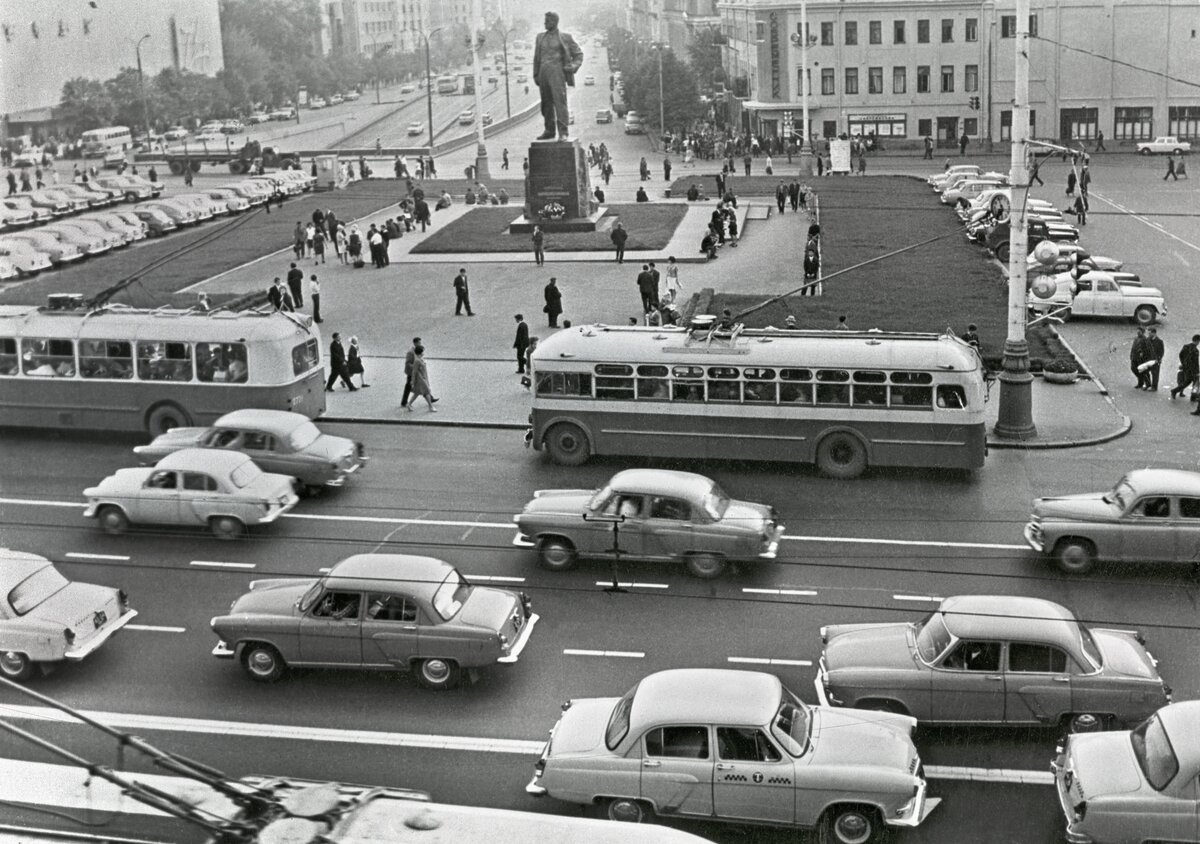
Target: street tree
[704,57]
[246,68]
[86,104]
[680,97]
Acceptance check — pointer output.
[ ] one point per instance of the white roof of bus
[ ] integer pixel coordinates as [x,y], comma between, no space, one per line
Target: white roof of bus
[591,344]
[115,323]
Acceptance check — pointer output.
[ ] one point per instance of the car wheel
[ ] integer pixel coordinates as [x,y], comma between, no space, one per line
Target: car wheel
[263,663]
[557,554]
[1002,253]
[627,810]
[15,666]
[113,520]
[1145,315]
[851,825]
[1075,556]
[1144,151]
[438,674]
[842,456]
[568,445]
[1178,151]
[1086,722]
[705,566]
[226,527]
[1065,314]
[165,417]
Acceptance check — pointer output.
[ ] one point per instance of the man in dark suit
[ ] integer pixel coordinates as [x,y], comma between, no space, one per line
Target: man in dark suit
[274,295]
[462,293]
[1157,352]
[794,195]
[556,57]
[648,288]
[1189,368]
[295,280]
[409,360]
[337,365]
[781,196]
[553,302]
[521,343]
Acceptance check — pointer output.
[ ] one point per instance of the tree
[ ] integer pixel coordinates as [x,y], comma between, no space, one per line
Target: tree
[681,100]
[246,68]
[704,57]
[85,104]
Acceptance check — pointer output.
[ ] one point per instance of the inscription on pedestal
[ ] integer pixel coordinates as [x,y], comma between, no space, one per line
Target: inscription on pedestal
[558,172]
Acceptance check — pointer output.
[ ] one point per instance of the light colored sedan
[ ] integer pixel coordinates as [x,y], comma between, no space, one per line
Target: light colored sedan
[124,222]
[22,208]
[415,128]
[253,192]
[46,619]
[114,239]
[26,260]
[179,213]
[660,515]
[53,203]
[89,244]
[94,197]
[59,251]
[156,220]
[222,490]
[234,203]
[1104,296]
[204,207]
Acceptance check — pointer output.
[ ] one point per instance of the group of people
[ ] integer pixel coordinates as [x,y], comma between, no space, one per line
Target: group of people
[290,297]
[1145,362]
[423,166]
[722,227]
[649,288]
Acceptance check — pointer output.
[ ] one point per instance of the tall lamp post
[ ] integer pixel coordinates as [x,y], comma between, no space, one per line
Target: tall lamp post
[476,36]
[504,42]
[803,40]
[658,47]
[142,85]
[429,86]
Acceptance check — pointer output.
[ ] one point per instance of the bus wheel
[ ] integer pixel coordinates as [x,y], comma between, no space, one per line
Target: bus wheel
[165,417]
[705,566]
[226,527]
[113,520]
[568,445]
[196,166]
[841,456]
[176,167]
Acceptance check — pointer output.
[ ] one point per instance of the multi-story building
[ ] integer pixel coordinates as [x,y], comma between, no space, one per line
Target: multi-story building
[447,13]
[372,26]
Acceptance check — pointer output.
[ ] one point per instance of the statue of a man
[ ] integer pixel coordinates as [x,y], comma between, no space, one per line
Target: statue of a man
[555,60]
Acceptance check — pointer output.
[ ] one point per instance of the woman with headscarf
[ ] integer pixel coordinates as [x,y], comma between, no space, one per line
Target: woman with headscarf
[342,243]
[420,380]
[355,246]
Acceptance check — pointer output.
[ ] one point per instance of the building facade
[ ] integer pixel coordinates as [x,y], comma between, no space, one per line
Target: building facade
[373,26]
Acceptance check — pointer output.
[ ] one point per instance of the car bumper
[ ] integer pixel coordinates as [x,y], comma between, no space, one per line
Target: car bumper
[772,548]
[90,511]
[921,810]
[1070,835]
[1034,539]
[522,640]
[819,683]
[340,480]
[77,653]
[277,511]
[223,651]
[523,541]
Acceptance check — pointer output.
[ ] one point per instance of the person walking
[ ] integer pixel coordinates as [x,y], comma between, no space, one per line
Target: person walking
[319,245]
[672,279]
[1085,183]
[298,239]
[928,149]
[421,212]
[962,144]
[409,359]
[667,168]
[618,237]
[462,293]
[295,282]
[746,162]
[354,247]
[539,241]
[1139,353]
[1099,140]
[1080,208]
[354,364]
[553,306]
[337,365]
[1171,174]
[1157,352]
[521,342]
[375,240]
[1189,369]
[781,195]
[314,296]
[309,232]
[420,380]
[648,289]
[1071,180]
[504,159]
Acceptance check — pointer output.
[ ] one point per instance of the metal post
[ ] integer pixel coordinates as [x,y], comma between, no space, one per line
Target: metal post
[429,88]
[507,75]
[481,156]
[662,127]
[1016,400]
[142,86]
[805,143]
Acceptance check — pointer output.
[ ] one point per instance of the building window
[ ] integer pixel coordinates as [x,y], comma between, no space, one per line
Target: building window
[971,125]
[1183,121]
[875,80]
[851,33]
[760,31]
[1033,26]
[899,80]
[923,79]
[971,29]
[897,32]
[827,81]
[827,34]
[875,32]
[1134,124]
[923,32]
[925,127]
[947,79]
[947,30]
[1006,124]
[971,78]
[1008,26]
[851,80]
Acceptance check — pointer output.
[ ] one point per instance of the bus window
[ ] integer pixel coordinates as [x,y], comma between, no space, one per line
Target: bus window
[8,356]
[564,384]
[870,388]
[795,374]
[909,390]
[162,361]
[614,381]
[46,357]
[305,357]
[106,359]
[951,396]
[723,384]
[832,386]
[652,382]
[688,383]
[760,385]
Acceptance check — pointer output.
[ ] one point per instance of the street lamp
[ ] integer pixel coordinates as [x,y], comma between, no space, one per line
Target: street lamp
[142,85]
[429,86]
[504,41]
[804,40]
[476,36]
[658,47]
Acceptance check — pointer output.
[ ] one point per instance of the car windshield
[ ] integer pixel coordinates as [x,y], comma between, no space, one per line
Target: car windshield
[1155,756]
[1121,494]
[33,590]
[618,722]
[791,725]
[304,436]
[451,595]
[1090,648]
[245,474]
[311,595]
[715,502]
[599,497]
[933,639]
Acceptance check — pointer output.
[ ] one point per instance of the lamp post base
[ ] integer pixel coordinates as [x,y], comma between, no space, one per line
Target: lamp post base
[481,164]
[1016,394]
[807,161]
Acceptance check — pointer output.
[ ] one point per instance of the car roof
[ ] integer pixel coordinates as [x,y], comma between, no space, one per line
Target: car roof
[275,421]
[15,566]
[1180,719]
[661,482]
[1163,481]
[704,695]
[202,459]
[421,575]
[1009,617]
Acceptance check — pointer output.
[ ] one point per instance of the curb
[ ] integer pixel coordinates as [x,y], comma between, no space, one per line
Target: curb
[375,420]
[1008,445]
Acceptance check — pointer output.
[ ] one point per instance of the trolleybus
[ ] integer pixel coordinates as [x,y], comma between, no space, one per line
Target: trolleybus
[98,143]
[840,399]
[447,84]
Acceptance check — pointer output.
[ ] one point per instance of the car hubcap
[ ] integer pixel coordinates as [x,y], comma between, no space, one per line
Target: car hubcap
[626,811]
[1074,556]
[261,662]
[557,555]
[11,663]
[436,671]
[852,829]
[568,443]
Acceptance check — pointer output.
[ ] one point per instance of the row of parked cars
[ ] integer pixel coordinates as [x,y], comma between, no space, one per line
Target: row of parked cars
[57,225]
[1065,280]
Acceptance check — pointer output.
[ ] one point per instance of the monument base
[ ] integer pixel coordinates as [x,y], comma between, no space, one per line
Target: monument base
[558,173]
[523,225]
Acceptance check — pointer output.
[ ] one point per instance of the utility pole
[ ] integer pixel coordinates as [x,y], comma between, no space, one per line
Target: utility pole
[1016,395]
[662,122]
[142,85]
[429,87]
[481,156]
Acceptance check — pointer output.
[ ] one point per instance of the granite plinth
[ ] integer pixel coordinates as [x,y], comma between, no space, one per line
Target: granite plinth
[524,225]
[558,172]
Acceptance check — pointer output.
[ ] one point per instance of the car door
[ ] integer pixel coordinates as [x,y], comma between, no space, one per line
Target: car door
[968,684]
[1148,530]
[330,634]
[1170,815]
[1187,531]
[753,780]
[263,448]
[158,499]
[390,630]
[677,769]
[627,509]
[199,498]
[1109,301]
[1037,685]
[669,531]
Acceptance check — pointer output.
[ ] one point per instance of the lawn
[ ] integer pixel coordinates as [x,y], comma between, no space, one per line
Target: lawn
[941,284]
[485,229]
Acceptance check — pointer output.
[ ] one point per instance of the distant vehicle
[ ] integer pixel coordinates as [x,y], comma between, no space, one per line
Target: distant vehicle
[157,221]
[415,128]
[232,127]
[132,190]
[179,213]
[407,88]
[98,143]
[487,118]
[22,212]
[447,84]
[336,99]
[175,133]
[589,80]
[235,203]
[87,243]
[317,102]
[604,115]
[354,95]
[466,118]
[258,117]
[1168,144]
[634,125]
[27,260]
[285,113]
[126,224]
[211,139]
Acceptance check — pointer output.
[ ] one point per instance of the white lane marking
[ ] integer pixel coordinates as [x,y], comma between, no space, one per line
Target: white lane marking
[631,584]
[757,591]
[37,502]
[625,654]
[495,578]
[385,520]
[219,565]
[928,599]
[923,543]
[760,660]
[325,570]
[1009,775]
[1156,226]
[151,628]
[77,556]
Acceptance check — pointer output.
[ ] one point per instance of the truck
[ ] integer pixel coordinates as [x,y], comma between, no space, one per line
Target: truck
[241,160]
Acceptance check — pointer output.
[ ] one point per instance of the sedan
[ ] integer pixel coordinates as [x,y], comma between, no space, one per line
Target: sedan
[408,88]
[16,218]
[157,221]
[989,659]
[53,203]
[285,113]
[175,133]
[21,207]
[415,128]
[123,222]
[380,612]
[589,80]
[1133,786]
[8,269]
[179,213]
[1166,144]
[111,238]
[88,244]
[46,619]
[26,260]
[1103,296]
[234,204]
[58,251]
[258,117]
[253,192]
[279,441]
[204,207]
[133,188]
[95,195]
[194,487]
[657,514]
[466,118]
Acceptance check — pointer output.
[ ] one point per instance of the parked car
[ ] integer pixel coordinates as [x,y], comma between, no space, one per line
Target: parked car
[1133,786]
[938,180]
[408,88]
[58,251]
[21,210]
[336,99]
[46,619]
[604,115]
[110,238]
[17,217]
[415,128]
[1168,144]
[258,117]
[131,191]
[87,243]
[284,113]
[354,95]
[992,659]
[57,204]
[279,441]
[487,118]
[376,612]
[95,196]
[234,204]
[589,80]
[194,487]
[201,206]
[701,743]
[1038,230]
[300,178]
[232,127]
[158,221]
[1101,296]
[663,515]
[317,102]
[1071,255]
[26,260]
[126,225]
[175,133]
[255,193]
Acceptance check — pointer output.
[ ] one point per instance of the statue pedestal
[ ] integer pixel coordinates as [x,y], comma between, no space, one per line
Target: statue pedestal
[558,172]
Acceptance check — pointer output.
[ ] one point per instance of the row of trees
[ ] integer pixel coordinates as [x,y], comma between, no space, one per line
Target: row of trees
[683,79]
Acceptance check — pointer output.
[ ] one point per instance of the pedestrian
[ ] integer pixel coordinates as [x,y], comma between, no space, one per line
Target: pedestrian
[295,282]
[12,183]
[618,237]
[521,342]
[420,380]
[793,192]
[1099,140]
[309,231]
[599,194]
[1157,352]
[553,306]
[298,239]
[1171,174]
[187,173]
[504,157]
[928,148]
[354,362]
[971,337]
[341,242]
[337,365]
[841,323]
[672,279]
[153,174]
[314,296]
[781,194]
[962,144]
[862,164]
[1080,210]
[526,379]
[769,167]
[275,294]
[318,218]
[410,358]
[641,195]
[1071,180]
[1033,173]
[667,168]
[746,162]
[375,242]
[1189,369]
[462,293]
[354,247]
[539,242]
[647,289]
[319,245]
[820,165]
[1139,354]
